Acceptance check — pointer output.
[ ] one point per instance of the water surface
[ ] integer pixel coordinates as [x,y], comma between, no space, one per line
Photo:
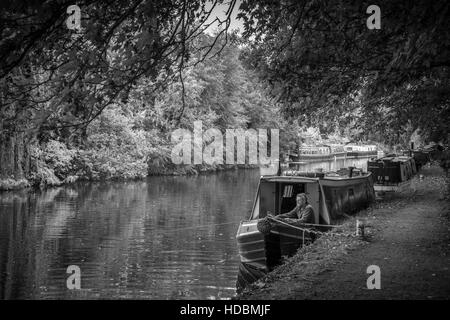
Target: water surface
[161,238]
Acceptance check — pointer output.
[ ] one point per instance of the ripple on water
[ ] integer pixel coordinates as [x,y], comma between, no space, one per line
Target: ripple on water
[164,238]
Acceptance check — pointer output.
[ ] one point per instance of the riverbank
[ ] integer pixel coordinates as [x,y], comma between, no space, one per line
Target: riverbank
[408,239]
[13,184]
[51,180]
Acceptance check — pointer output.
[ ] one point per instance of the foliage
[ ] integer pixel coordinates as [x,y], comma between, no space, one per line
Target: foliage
[114,149]
[55,78]
[58,157]
[102,102]
[13,184]
[43,173]
[328,69]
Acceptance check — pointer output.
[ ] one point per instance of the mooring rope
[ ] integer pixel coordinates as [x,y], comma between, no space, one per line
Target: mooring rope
[322,225]
[310,230]
[275,220]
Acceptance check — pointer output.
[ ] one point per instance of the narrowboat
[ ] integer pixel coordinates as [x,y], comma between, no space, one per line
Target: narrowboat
[420,157]
[338,151]
[392,173]
[356,151]
[314,153]
[321,153]
[332,195]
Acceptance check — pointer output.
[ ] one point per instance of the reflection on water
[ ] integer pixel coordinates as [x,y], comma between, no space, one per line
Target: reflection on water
[163,238]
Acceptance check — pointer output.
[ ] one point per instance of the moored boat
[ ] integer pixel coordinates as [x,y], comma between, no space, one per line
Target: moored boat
[314,153]
[420,157]
[338,152]
[355,151]
[392,173]
[331,196]
[311,153]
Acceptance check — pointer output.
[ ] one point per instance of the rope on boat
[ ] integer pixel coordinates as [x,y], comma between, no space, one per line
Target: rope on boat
[268,227]
[310,230]
[321,225]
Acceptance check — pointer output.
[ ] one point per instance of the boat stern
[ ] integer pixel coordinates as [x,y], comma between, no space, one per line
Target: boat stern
[251,245]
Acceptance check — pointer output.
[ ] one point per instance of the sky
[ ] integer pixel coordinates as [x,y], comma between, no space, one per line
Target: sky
[220,12]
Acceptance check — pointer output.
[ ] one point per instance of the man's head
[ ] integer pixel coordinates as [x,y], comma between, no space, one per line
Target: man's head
[302,200]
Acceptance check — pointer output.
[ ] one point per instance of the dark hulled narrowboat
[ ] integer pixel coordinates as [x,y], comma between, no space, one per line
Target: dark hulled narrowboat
[420,157]
[392,173]
[330,195]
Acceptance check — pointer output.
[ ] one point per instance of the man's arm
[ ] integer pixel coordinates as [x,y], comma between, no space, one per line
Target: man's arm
[290,214]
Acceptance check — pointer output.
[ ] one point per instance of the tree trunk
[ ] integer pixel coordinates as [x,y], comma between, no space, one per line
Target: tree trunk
[14,156]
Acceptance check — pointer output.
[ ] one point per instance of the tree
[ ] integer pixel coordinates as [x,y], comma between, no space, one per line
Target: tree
[320,60]
[52,78]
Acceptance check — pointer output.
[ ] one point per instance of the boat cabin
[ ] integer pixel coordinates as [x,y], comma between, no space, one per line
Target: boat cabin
[331,196]
[277,194]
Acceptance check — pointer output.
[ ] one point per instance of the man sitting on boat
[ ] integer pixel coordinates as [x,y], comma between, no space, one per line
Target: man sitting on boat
[302,213]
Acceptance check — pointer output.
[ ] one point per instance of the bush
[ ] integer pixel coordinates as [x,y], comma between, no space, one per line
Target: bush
[58,158]
[44,176]
[12,184]
[114,149]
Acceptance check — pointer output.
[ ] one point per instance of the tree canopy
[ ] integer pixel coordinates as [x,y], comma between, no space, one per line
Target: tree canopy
[152,66]
[52,76]
[322,62]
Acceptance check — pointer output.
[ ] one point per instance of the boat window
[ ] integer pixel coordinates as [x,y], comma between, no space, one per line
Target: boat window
[287,193]
[350,192]
[289,203]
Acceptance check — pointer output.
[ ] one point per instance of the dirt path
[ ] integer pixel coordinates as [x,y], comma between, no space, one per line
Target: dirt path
[410,244]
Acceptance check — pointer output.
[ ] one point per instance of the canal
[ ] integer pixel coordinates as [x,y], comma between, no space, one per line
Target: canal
[161,238]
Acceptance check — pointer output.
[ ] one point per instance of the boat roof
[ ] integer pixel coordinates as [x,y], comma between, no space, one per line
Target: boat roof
[337,178]
[395,158]
[289,179]
[303,179]
[313,146]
